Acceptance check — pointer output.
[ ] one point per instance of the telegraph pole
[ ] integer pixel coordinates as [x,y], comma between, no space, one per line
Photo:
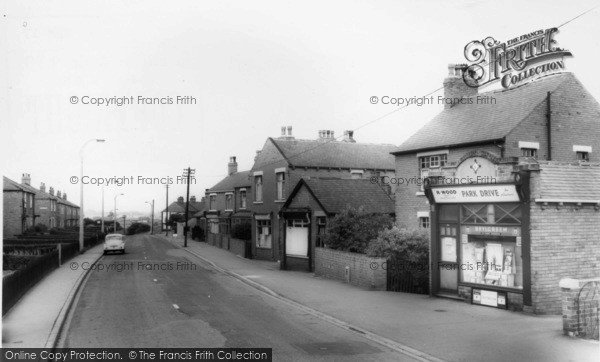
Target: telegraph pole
[187,173]
[167,212]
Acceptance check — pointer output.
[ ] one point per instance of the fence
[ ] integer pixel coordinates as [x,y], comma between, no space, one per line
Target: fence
[32,259]
[406,277]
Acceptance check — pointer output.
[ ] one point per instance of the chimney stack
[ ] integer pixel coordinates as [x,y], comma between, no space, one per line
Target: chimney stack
[349,136]
[26,179]
[180,199]
[232,166]
[257,154]
[65,196]
[43,187]
[51,191]
[193,199]
[455,86]
[286,133]
[58,194]
[326,135]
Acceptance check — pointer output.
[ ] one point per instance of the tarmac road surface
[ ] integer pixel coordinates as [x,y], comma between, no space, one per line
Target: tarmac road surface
[156,295]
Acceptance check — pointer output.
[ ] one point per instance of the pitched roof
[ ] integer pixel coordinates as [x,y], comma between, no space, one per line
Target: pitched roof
[231,182]
[479,122]
[336,154]
[10,185]
[179,207]
[561,181]
[335,195]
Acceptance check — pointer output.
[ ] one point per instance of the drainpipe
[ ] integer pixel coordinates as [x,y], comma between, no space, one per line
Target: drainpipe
[549,124]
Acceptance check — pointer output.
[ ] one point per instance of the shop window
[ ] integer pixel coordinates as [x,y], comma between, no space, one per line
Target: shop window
[321,228]
[529,152]
[424,222]
[492,260]
[583,156]
[448,213]
[491,214]
[263,233]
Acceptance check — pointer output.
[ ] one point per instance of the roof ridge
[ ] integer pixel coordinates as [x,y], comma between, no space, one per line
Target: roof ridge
[335,141]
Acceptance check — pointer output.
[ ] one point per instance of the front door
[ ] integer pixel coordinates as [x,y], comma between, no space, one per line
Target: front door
[448,266]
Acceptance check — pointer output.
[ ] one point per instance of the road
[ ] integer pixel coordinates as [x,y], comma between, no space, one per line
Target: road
[133,303]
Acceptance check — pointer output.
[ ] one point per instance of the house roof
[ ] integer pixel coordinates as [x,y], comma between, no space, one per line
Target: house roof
[562,181]
[479,122]
[336,154]
[231,182]
[179,207]
[334,195]
[10,185]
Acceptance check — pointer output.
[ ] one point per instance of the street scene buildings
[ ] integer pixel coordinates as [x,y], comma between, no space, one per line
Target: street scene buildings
[472,237]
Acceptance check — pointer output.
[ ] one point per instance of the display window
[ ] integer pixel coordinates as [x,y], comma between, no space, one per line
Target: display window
[492,260]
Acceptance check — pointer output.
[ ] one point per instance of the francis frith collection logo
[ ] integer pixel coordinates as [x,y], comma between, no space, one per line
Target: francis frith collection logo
[520,59]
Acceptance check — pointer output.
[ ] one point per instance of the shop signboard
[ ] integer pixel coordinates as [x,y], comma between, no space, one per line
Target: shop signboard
[489,298]
[478,194]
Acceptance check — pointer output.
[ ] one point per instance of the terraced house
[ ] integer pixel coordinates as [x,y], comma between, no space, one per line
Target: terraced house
[285,160]
[511,192]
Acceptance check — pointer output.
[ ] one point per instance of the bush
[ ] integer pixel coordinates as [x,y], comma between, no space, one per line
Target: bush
[198,233]
[409,246]
[242,231]
[353,229]
[137,228]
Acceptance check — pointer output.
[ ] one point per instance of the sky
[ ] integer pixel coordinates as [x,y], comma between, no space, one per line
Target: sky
[251,66]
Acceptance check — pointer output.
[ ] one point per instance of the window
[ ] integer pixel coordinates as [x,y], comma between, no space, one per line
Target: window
[492,260]
[321,227]
[213,226]
[258,189]
[224,226]
[228,201]
[242,199]
[263,233]
[280,185]
[212,202]
[583,156]
[433,161]
[529,152]
[424,222]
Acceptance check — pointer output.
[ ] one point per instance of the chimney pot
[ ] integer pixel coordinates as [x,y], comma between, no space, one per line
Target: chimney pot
[283,131]
[51,191]
[289,129]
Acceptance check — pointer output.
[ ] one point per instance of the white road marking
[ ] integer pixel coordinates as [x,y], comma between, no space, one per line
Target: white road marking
[176,306]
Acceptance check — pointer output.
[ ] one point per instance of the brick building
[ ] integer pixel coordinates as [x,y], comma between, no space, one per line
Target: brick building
[68,212]
[312,203]
[490,169]
[19,207]
[178,208]
[283,161]
[47,207]
[228,205]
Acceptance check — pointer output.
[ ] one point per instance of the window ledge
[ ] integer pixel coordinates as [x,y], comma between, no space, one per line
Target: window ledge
[420,193]
[263,248]
[279,201]
[228,210]
[257,202]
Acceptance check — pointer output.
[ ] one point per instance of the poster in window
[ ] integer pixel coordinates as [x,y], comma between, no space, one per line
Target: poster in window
[449,249]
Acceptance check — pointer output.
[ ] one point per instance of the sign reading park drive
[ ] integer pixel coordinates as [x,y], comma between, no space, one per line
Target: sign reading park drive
[467,194]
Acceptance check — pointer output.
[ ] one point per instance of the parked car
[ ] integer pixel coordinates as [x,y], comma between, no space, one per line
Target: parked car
[114,242]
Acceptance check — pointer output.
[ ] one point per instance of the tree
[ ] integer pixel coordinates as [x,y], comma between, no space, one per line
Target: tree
[174,219]
[137,228]
[353,229]
[87,221]
[409,246]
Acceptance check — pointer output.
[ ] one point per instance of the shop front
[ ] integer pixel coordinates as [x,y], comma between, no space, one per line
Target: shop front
[478,243]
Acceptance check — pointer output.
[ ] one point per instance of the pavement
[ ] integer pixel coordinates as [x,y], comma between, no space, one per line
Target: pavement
[423,327]
[419,326]
[37,318]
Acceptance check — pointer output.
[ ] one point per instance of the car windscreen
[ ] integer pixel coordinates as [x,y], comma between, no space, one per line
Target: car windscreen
[116,237]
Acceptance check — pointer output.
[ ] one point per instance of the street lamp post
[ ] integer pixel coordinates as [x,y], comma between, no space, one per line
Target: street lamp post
[81,190]
[151,216]
[115,215]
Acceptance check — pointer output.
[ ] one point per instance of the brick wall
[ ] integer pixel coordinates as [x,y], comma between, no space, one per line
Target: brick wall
[565,243]
[332,263]
[238,247]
